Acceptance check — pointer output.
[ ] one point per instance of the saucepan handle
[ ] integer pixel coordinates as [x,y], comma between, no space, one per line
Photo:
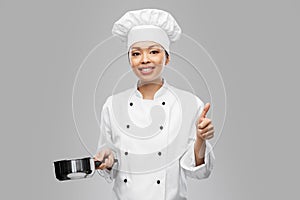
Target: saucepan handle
[98,163]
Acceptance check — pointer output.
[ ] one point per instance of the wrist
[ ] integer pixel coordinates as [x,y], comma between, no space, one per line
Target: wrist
[199,139]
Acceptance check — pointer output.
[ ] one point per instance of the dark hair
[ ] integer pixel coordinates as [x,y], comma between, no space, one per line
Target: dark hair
[167,54]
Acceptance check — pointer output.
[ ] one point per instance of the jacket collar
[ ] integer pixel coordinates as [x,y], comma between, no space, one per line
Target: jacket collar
[159,93]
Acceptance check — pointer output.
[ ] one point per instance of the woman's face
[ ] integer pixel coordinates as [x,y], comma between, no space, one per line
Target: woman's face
[147,60]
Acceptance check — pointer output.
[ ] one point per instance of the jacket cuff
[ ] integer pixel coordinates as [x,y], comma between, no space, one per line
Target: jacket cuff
[188,163]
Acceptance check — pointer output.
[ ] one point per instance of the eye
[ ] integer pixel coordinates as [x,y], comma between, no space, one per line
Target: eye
[135,54]
[154,52]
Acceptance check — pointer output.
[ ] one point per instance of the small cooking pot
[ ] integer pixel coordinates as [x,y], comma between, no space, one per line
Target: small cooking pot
[76,168]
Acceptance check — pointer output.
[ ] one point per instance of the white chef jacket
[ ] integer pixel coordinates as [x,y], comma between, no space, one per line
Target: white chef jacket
[168,183]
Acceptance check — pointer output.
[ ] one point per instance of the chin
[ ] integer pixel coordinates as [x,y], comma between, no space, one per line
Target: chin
[149,79]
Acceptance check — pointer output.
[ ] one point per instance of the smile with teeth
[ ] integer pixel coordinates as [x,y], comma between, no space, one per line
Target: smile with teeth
[146,70]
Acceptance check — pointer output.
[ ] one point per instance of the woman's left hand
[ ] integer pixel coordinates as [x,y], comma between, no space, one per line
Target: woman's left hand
[205,128]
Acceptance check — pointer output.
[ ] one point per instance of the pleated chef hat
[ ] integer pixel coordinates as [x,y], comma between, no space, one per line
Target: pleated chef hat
[147,25]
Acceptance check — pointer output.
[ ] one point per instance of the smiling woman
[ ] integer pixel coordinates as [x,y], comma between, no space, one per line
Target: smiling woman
[157,132]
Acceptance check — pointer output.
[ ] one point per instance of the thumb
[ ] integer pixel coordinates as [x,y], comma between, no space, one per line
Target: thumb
[204,112]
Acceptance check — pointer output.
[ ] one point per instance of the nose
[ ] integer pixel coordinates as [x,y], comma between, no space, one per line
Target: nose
[145,58]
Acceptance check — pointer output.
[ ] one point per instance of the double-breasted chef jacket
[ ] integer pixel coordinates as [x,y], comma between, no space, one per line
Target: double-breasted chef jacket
[156,165]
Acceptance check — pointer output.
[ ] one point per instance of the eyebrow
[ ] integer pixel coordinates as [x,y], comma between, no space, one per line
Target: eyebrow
[148,47]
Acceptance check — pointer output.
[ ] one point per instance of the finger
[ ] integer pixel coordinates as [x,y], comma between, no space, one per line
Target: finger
[106,162]
[100,155]
[98,166]
[206,129]
[102,166]
[204,112]
[110,161]
[208,134]
[205,122]
[209,137]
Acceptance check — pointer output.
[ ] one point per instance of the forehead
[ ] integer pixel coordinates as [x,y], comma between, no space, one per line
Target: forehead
[145,44]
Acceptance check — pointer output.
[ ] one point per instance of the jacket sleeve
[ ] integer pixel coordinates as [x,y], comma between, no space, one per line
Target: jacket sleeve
[105,141]
[202,171]
[188,162]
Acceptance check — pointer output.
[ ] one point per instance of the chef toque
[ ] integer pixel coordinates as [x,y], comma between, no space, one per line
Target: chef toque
[147,25]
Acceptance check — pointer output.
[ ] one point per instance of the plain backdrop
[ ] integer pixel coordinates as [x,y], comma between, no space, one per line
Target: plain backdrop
[254,43]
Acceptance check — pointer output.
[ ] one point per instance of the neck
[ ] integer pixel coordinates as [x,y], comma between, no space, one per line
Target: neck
[148,89]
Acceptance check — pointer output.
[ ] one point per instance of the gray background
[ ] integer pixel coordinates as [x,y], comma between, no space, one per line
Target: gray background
[254,43]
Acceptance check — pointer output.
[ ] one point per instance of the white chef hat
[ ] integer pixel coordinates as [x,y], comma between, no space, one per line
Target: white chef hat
[147,25]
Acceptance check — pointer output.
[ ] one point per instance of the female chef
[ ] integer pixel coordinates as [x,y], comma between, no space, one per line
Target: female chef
[141,146]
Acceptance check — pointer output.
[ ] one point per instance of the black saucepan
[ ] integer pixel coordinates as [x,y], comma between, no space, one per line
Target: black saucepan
[76,168]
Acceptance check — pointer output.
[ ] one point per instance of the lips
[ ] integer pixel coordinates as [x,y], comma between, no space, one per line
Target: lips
[143,68]
[146,70]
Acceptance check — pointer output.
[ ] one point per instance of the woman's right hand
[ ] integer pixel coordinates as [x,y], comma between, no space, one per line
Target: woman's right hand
[107,158]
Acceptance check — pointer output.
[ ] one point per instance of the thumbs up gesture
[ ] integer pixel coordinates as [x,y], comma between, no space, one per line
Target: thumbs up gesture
[205,128]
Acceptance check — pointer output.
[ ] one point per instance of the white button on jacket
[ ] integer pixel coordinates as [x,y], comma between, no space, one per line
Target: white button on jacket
[167,180]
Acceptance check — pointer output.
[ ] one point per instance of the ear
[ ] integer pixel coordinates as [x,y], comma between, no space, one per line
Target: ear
[129,60]
[167,60]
